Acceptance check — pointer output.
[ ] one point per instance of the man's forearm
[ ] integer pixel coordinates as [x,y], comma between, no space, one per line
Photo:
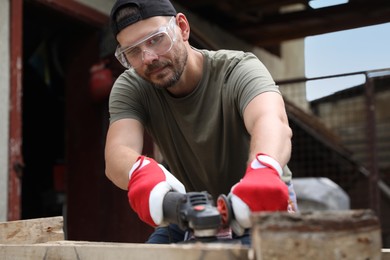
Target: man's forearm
[271,136]
[124,145]
[118,164]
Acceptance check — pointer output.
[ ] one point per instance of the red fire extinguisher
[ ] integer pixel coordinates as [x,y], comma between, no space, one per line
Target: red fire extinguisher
[100,82]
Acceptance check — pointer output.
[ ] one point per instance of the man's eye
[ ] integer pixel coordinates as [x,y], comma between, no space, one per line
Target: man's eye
[132,52]
[155,40]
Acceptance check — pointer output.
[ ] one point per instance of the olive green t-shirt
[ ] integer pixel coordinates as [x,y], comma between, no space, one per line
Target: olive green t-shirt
[201,136]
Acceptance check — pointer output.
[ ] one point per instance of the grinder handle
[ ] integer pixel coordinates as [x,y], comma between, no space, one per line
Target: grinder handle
[171,207]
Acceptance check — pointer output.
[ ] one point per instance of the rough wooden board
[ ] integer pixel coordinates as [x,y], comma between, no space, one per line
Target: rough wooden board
[71,250]
[32,231]
[317,235]
[330,235]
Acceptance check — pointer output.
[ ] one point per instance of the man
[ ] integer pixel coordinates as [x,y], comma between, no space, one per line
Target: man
[217,117]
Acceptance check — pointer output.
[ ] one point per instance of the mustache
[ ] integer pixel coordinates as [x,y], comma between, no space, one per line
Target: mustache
[156,65]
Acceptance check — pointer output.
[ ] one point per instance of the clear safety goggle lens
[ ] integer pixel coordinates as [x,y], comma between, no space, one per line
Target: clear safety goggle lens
[158,43]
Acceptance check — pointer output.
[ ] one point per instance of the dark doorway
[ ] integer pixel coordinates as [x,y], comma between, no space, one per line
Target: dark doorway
[46,37]
[64,128]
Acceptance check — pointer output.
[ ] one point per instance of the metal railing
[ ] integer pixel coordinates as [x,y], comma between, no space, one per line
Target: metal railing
[356,124]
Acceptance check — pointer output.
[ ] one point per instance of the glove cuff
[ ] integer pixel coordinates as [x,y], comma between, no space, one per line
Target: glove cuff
[263,161]
[141,161]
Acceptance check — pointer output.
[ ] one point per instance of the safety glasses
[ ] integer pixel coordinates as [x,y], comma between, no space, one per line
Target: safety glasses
[157,43]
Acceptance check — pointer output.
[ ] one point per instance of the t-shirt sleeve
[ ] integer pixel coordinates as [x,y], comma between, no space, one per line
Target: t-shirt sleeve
[126,100]
[249,78]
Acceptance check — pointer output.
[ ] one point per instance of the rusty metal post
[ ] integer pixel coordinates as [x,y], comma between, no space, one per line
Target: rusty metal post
[372,145]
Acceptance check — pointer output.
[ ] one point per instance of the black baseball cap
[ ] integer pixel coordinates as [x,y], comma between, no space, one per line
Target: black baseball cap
[146,9]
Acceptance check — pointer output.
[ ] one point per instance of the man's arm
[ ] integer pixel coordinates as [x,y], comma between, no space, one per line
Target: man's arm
[266,121]
[147,181]
[261,188]
[124,145]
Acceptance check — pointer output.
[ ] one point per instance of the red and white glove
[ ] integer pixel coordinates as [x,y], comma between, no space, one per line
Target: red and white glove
[148,184]
[261,189]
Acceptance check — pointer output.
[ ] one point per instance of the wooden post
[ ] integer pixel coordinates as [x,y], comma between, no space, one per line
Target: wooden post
[353,234]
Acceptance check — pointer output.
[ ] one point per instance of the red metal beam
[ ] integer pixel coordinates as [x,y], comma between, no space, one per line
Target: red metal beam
[79,11]
[15,141]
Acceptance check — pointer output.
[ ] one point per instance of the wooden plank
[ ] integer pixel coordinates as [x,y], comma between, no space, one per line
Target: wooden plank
[352,234]
[70,250]
[32,231]
[310,235]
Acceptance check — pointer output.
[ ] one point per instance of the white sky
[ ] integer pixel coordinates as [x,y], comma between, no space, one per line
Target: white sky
[360,49]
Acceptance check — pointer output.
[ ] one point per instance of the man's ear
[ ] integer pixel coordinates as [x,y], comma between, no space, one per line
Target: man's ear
[182,23]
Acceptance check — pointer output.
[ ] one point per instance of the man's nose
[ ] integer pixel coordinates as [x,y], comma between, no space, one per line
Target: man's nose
[148,57]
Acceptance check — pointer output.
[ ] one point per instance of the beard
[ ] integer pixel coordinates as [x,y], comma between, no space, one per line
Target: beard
[176,65]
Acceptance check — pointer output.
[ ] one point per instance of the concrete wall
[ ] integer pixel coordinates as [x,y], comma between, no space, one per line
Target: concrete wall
[4,105]
[294,67]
